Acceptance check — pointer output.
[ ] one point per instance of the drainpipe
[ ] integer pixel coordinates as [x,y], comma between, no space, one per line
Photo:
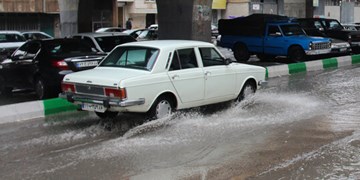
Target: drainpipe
[44,6]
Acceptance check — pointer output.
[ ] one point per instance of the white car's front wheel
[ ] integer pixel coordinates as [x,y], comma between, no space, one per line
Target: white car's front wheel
[248,89]
[163,107]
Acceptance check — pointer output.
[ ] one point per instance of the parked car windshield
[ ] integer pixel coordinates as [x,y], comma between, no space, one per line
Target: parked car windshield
[131,57]
[333,24]
[108,43]
[11,38]
[292,30]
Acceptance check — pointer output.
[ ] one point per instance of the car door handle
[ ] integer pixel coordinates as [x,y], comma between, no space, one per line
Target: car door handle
[175,76]
[207,73]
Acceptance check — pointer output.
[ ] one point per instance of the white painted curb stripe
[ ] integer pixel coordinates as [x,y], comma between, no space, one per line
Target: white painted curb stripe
[21,111]
[314,65]
[281,70]
[344,61]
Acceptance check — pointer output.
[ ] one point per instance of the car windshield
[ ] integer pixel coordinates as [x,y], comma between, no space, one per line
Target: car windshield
[131,57]
[292,30]
[11,38]
[107,43]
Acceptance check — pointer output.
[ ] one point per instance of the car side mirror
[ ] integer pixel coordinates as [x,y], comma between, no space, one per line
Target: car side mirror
[227,61]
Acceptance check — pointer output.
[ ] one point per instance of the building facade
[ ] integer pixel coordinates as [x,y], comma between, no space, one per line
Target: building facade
[29,15]
[142,12]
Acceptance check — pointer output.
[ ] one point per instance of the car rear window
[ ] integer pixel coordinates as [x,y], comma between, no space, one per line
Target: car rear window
[132,57]
[107,43]
[67,47]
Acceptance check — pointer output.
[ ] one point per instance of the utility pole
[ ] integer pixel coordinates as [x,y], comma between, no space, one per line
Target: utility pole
[185,19]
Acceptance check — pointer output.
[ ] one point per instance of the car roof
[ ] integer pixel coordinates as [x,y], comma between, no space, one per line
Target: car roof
[10,32]
[104,34]
[168,43]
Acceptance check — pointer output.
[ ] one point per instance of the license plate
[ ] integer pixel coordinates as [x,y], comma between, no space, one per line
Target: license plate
[342,49]
[93,107]
[86,64]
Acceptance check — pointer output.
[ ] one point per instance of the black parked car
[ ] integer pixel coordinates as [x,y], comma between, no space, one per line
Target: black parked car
[331,28]
[37,63]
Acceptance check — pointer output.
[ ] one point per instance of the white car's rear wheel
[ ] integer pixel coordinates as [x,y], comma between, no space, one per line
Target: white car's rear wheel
[163,107]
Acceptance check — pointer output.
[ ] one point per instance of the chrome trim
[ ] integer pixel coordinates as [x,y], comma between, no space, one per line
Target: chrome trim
[317,52]
[262,83]
[105,101]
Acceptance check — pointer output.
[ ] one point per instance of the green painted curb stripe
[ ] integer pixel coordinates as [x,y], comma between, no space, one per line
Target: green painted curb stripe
[355,59]
[297,67]
[266,73]
[57,105]
[330,63]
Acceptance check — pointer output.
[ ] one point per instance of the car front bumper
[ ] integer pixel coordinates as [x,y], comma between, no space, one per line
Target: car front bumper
[318,51]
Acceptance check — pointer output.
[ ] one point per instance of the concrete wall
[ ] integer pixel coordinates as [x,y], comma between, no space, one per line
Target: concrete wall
[357,14]
[332,12]
[295,8]
[236,9]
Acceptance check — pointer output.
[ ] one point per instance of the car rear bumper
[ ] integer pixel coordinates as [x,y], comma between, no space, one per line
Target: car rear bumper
[105,101]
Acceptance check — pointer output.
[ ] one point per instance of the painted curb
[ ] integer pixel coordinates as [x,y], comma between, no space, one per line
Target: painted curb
[288,69]
[35,109]
[40,109]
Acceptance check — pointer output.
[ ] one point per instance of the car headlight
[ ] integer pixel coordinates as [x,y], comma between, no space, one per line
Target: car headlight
[311,46]
[349,36]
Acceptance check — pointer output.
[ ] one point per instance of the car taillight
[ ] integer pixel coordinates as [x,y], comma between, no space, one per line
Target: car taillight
[67,87]
[118,93]
[60,64]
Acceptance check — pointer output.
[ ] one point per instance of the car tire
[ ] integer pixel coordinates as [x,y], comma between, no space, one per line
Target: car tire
[162,107]
[248,89]
[297,54]
[42,90]
[241,53]
[107,114]
[4,91]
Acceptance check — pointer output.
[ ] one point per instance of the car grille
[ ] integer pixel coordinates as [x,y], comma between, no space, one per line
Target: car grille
[86,89]
[317,46]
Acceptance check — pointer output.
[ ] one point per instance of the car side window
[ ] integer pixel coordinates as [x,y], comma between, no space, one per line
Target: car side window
[21,51]
[33,49]
[317,24]
[184,59]
[210,57]
[274,31]
[90,42]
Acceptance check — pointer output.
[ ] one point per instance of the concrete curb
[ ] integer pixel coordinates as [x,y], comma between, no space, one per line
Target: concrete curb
[288,69]
[38,109]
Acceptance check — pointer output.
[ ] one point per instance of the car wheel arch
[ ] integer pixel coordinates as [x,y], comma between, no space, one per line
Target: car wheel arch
[168,94]
[251,80]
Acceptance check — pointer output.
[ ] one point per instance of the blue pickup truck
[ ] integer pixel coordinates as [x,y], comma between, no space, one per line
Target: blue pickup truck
[269,36]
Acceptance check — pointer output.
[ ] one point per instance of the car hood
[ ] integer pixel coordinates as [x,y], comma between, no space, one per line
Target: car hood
[311,38]
[11,44]
[104,76]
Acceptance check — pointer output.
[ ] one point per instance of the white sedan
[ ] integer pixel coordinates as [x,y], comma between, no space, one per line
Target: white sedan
[158,77]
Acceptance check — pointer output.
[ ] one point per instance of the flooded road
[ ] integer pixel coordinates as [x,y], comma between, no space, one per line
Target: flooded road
[304,126]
